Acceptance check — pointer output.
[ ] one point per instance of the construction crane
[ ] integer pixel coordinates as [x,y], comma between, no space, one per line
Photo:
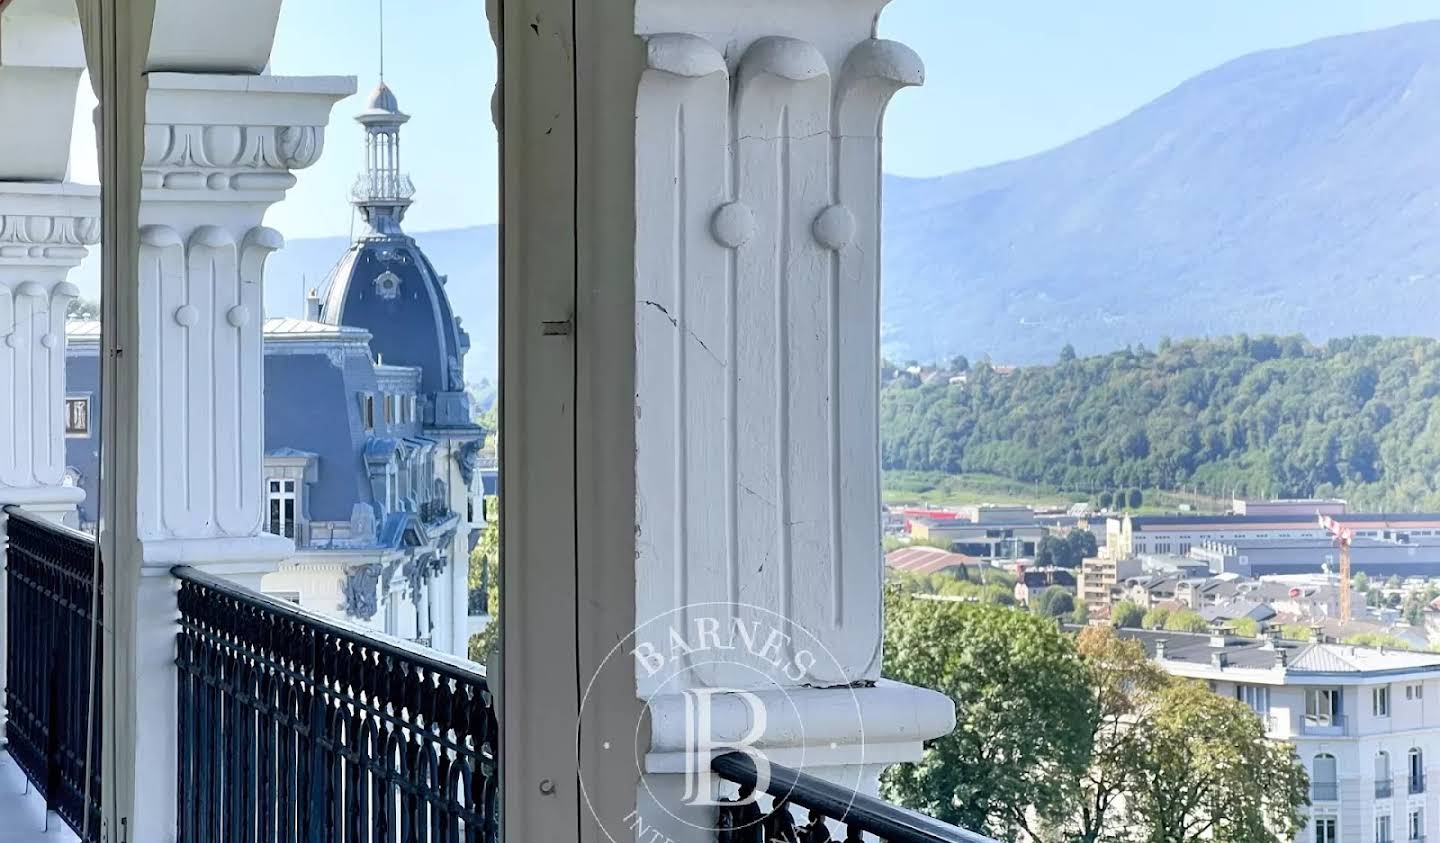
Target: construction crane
[1343,536]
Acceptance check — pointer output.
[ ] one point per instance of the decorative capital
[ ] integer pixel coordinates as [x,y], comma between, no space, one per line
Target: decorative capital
[216,138]
[47,227]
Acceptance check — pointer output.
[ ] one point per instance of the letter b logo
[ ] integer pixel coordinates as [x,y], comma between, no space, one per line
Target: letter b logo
[702,743]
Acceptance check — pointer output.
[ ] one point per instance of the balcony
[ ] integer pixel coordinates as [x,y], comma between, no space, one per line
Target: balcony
[382,187]
[294,726]
[1324,791]
[863,817]
[1334,725]
[1384,788]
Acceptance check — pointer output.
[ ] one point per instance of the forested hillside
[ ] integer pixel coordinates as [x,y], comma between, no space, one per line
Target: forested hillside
[1359,417]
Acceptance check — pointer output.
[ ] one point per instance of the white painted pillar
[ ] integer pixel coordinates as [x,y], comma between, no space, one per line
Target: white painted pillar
[757,355]
[46,224]
[45,228]
[219,150]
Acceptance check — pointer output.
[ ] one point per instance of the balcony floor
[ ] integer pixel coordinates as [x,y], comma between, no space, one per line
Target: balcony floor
[22,814]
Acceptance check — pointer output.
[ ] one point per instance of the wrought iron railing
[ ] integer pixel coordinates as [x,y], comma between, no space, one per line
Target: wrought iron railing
[382,187]
[434,510]
[1384,788]
[743,821]
[1324,791]
[292,727]
[1417,782]
[53,666]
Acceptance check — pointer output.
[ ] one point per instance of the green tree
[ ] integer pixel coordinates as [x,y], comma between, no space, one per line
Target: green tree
[1186,620]
[1081,613]
[1136,499]
[1204,771]
[1155,618]
[1125,684]
[1083,544]
[1023,713]
[1105,500]
[1056,551]
[82,308]
[1361,582]
[1247,627]
[1126,614]
[1295,632]
[1378,639]
[1053,602]
[484,579]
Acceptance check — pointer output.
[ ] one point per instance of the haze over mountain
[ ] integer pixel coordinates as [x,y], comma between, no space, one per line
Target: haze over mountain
[1294,190]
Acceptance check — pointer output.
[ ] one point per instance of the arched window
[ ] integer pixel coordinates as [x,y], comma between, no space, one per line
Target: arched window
[1383,788]
[1417,770]
[1323,785]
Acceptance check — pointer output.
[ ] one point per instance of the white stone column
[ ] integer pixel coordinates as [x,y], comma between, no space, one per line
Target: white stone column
[45,228]
[757,325]
[219,150]
[46,224]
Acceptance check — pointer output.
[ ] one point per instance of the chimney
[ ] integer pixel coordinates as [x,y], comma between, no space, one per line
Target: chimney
[1282,658]
[312,305]
[1219,660]
[1160,649]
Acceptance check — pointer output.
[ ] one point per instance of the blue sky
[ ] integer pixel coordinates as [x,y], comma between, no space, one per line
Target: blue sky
[1006,78]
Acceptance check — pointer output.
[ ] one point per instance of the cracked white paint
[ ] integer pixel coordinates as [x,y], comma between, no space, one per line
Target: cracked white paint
[757,317]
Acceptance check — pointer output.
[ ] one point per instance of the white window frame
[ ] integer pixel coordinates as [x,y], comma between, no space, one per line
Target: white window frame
[1380,701]
[391,417]
[85,429]
[281,491]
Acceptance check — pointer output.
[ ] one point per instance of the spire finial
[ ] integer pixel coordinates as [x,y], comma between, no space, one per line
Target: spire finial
[382,40]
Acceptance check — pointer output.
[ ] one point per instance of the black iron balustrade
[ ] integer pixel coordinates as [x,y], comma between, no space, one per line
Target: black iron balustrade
[53,665]
[1384,788]
[864,818]
[1417,782]
[292,727]
[434,510]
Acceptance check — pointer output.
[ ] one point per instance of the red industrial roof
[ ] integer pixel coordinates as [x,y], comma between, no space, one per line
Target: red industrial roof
[926,560]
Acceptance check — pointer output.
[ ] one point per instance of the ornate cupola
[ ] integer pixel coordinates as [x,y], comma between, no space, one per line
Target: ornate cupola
[386,285]
[382,192]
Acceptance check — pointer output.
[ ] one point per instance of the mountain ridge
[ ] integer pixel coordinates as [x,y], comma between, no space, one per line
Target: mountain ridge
[1287,191]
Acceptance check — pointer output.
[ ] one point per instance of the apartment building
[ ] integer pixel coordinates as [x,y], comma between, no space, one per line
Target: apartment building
[1365,722]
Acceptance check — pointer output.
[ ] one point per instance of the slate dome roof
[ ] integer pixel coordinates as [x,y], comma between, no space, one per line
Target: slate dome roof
[383,99]
[386,285]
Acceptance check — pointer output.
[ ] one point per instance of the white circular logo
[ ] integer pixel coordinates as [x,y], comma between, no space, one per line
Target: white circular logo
[716,679]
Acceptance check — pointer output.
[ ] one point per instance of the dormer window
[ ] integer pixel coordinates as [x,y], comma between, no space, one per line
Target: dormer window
[367,410]
[282,507]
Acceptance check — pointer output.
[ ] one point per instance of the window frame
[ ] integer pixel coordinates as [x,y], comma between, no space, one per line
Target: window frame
[280,491]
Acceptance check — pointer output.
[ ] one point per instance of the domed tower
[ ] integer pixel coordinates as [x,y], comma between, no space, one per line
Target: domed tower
[386,285]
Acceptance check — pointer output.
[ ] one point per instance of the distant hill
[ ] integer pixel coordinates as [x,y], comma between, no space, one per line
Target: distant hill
[1290,191]
[1295,190]
[1262,416]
